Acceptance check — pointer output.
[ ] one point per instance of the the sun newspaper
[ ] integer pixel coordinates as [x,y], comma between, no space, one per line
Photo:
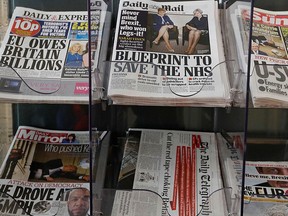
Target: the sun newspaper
[266,188]
[42,170]
[231,150]
[268,68]
[177,173]
[44,56]
[147,70]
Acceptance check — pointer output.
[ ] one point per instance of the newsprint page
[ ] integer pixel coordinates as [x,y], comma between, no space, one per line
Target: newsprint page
[269,57]
[176,173]
[45,172]
[168,53]
[44,55]
[266,185]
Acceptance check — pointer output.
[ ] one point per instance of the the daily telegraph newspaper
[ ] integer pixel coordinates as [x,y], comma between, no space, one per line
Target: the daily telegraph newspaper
[43,171]
[268,68]
[175,59]
[266,184]
[231,150]
[44,56]
[177,173]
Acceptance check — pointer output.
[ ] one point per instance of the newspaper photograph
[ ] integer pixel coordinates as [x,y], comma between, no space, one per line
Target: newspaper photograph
[44,55]
[177,173]
[45,172]
[168,53]
[268,68]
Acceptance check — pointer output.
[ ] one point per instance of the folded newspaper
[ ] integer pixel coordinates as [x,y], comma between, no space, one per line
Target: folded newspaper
[268,67]
[44,56]
[231,150]
[168,53]
[176,173]
[266,184]
[45,172]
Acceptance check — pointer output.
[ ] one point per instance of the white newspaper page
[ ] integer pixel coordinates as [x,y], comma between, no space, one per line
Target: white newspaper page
[177,173]
[44,56]
[266,185]
[44,172]
[177,56]
[231,161]
[268,69]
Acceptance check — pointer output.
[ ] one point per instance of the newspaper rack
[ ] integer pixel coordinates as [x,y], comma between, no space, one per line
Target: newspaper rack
[145,198]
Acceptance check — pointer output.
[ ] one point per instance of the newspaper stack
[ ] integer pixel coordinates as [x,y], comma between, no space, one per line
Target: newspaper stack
[43,170]
[231,161]
[176,172]
[266,185]
[147,70]
[44,55]
[268,67]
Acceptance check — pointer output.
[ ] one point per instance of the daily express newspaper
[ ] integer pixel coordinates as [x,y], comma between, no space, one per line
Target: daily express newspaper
[268,68]
[148,69]
[266,185]
[44,55]
[42,172]
[177,173]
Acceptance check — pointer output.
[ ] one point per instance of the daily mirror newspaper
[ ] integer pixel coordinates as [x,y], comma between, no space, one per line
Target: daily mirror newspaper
[45,172]
[44,56]
[268,68]
[168,53]
[177,173]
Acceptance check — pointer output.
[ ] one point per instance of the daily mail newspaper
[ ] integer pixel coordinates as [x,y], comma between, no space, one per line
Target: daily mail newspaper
[45,172]
[268,68]
[266,186]
[44,56]
[231,152]
[175,61]
[177,173]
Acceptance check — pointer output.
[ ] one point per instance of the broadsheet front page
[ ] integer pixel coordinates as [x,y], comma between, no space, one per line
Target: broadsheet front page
[268,69]
[146,68]
[44,55]
[177,173]
[266,185]
[43,170]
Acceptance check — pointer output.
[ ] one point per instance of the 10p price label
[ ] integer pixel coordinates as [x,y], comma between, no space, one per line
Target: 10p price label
[25,27]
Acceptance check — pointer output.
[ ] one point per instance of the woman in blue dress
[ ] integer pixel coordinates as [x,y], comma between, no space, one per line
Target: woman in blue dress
[196,26]
[75,56]
[162,23]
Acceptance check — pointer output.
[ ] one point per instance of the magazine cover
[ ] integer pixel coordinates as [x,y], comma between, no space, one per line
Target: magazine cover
[177,173]
[46,172]
[168,53]
[44,55]
[268,69]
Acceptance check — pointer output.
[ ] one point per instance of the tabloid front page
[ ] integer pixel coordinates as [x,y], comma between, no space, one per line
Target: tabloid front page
[146,68]
[268,69]
[44,55]
[177,173]
[43,170]
[266,185]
